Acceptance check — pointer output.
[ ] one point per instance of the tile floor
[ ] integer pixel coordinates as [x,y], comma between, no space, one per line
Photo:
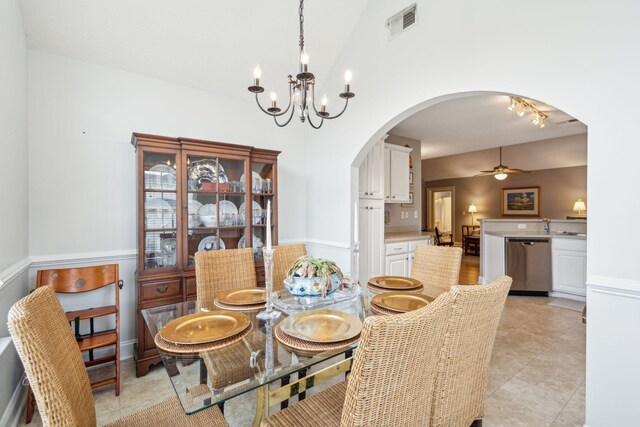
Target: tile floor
[536,376]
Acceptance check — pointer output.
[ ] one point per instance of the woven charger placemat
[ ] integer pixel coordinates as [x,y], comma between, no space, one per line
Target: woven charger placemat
[381,310]
[378,289]
[311,347]
[251,307]
[171,347]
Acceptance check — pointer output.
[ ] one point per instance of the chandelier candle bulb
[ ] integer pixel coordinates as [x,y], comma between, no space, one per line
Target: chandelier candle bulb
[257,73]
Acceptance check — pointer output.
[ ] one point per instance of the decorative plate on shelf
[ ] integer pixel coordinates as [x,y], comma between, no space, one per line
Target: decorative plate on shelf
[194,207]
[160,177]
[255,176]
[208,215]
[205,170]
[211,243]
[256,214]
[257,244]
[158,213]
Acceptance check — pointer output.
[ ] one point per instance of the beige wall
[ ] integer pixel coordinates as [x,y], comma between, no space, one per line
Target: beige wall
[567,151]
[394,209]
[559,189]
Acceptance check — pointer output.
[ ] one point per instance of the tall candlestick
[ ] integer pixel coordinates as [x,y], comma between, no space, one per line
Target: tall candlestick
[269,225]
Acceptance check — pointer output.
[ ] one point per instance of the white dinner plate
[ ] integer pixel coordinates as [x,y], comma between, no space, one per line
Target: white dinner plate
[167,176]
[211,243]
[208,215]
[158,213]
[194,207]
[257,212]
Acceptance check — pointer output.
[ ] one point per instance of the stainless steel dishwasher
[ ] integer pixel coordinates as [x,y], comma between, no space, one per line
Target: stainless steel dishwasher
[529,265]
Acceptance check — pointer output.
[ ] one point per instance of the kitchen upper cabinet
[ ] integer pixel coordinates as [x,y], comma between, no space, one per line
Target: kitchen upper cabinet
[569,266]
[372,174]
[371,232]
[396,174]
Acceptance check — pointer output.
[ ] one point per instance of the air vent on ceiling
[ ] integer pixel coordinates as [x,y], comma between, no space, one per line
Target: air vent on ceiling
[564,122]
[401,21]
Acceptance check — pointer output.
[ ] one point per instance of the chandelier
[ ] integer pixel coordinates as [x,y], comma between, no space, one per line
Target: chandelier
[301,90]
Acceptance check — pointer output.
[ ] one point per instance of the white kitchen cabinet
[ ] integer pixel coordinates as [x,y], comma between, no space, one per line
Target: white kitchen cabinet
[569,263]
[397,265]
[387,167]
[396,173]
[371,174]
[371,232]
[399,256]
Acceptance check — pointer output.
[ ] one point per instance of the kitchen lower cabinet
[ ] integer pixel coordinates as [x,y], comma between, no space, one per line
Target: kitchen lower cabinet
[397,265]
[569,266]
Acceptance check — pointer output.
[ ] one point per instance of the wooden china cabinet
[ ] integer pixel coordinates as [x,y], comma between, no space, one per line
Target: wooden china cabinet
[195,195]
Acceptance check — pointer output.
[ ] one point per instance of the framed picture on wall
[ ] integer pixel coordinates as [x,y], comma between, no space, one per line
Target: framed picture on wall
[410,178]
[523,201]
[410,203]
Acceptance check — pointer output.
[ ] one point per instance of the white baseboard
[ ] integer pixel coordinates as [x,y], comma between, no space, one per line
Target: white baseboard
[13,411]
[556,294]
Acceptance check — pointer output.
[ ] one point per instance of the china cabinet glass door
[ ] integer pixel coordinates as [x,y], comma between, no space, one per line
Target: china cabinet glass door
[262,191]
[216,204]
[160,220]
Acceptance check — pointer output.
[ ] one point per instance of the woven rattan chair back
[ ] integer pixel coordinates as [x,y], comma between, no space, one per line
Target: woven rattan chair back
[463,370]
[395,366]
[436,267]
[53,364]
[222,270]
[283,258]
[71,280]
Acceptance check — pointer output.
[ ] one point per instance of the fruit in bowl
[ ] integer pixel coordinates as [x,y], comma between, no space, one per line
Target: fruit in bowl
[313,277]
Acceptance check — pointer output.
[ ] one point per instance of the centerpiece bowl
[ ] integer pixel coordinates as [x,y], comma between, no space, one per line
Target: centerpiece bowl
[313,277]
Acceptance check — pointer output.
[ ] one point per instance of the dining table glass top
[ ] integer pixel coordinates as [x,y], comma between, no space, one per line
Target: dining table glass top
[211,377]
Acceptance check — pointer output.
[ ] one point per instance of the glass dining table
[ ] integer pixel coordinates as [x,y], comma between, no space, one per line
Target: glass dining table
[208,378]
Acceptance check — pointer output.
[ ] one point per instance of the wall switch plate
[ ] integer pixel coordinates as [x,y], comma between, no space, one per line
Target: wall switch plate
[415,214]
[522,226]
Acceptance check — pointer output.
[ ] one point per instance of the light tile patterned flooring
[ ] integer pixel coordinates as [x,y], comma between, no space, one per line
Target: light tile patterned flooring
[536,376]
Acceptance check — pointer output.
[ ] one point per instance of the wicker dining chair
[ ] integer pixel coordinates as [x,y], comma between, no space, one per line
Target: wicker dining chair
[56,371]
[223,270]
[437,268]
[461,385]
[428,367]
[283,258]
[392,378]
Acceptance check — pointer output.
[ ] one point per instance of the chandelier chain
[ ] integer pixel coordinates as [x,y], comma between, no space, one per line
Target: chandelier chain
[300,12]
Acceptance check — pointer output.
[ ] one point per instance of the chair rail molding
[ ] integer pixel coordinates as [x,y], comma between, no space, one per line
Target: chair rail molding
[54,260]
[614,286]
[14,271]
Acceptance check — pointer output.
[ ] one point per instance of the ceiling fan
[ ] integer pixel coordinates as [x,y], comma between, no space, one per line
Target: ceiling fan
[501,171]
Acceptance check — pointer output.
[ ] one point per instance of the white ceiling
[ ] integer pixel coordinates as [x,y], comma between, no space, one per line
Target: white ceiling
[479,122]
[206,44]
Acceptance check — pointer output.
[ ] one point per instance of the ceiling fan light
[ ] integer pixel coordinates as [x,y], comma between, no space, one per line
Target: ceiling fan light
[500,176]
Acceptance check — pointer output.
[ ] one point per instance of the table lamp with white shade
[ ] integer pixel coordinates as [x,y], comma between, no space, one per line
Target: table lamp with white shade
[472,209]
[579,207]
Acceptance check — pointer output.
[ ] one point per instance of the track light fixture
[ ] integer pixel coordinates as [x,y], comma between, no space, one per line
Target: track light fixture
[520,107]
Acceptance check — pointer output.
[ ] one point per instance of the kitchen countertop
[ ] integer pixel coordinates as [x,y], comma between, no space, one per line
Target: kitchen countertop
[533,235]
[406,236]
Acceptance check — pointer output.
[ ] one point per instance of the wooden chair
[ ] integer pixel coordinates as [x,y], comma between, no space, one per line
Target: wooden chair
[223,270]
[437,268]
[437,375]
[77,281]
[440,240]
[60,382]
[470,240]
[283,258]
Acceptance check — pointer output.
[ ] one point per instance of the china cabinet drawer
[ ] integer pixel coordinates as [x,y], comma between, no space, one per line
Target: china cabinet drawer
[161,290]
[397,248]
